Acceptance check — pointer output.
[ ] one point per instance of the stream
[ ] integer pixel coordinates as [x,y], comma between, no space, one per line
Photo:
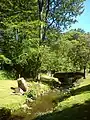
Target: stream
[42,104]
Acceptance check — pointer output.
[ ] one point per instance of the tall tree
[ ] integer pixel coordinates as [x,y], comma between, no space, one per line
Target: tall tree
[28,23]
[58,13]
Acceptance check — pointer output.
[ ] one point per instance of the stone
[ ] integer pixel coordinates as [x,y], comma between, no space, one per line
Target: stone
[64,77]
[22,84]
[17,91]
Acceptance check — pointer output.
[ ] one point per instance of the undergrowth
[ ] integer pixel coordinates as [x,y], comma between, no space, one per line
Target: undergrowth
[4,75]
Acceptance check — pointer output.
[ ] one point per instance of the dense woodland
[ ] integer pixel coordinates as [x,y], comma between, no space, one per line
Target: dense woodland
[32,37]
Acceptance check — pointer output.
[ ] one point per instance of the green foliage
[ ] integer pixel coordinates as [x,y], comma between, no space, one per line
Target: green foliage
[20,39]
[47,59]
[4,75]
[25,23]
[69,52]
[31,94]
[79,54]
[59,14]
[4,59]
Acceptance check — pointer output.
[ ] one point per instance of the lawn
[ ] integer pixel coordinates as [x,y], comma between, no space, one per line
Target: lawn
[6,97]
[10,100]
[79,95]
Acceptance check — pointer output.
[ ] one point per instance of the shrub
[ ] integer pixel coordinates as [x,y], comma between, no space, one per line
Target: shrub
[4,75]
[31,94]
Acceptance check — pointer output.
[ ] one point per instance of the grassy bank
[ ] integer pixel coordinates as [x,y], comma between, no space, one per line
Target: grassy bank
[7,99]
[13,101]
[79,95]
[75,107]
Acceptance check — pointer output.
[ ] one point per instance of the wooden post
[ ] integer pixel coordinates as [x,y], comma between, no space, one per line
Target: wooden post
[84,72]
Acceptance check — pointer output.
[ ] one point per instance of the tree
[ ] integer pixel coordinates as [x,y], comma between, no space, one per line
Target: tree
[58,14]
[79,53]
[26,23]
[19,21]
[70,52]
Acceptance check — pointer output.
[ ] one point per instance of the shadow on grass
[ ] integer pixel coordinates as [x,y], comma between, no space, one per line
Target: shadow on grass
[76,112]
[80,90]
[73,93]
[16,118]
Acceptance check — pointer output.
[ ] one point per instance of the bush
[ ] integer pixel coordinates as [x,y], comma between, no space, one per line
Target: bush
[4,75]
[31,94]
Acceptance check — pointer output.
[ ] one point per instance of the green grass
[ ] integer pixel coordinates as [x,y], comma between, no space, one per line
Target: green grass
[6,97]
[9,100]
[75,107]
[79,95]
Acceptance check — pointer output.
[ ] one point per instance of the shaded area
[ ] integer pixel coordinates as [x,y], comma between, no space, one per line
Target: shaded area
[61,75]
[62,97]
[50,82]
[68,78]
[4,113]
[66,94]
[76,112]
[16,117]
[80,90]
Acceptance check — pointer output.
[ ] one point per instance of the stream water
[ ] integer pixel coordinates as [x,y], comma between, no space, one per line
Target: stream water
[42,105]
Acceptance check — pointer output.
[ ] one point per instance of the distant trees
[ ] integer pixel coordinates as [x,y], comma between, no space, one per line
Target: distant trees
[79,53]
[71,52]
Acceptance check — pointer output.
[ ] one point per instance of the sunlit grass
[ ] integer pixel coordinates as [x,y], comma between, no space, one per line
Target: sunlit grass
[79,95]
[75,106]
[7,99]
[13,101]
